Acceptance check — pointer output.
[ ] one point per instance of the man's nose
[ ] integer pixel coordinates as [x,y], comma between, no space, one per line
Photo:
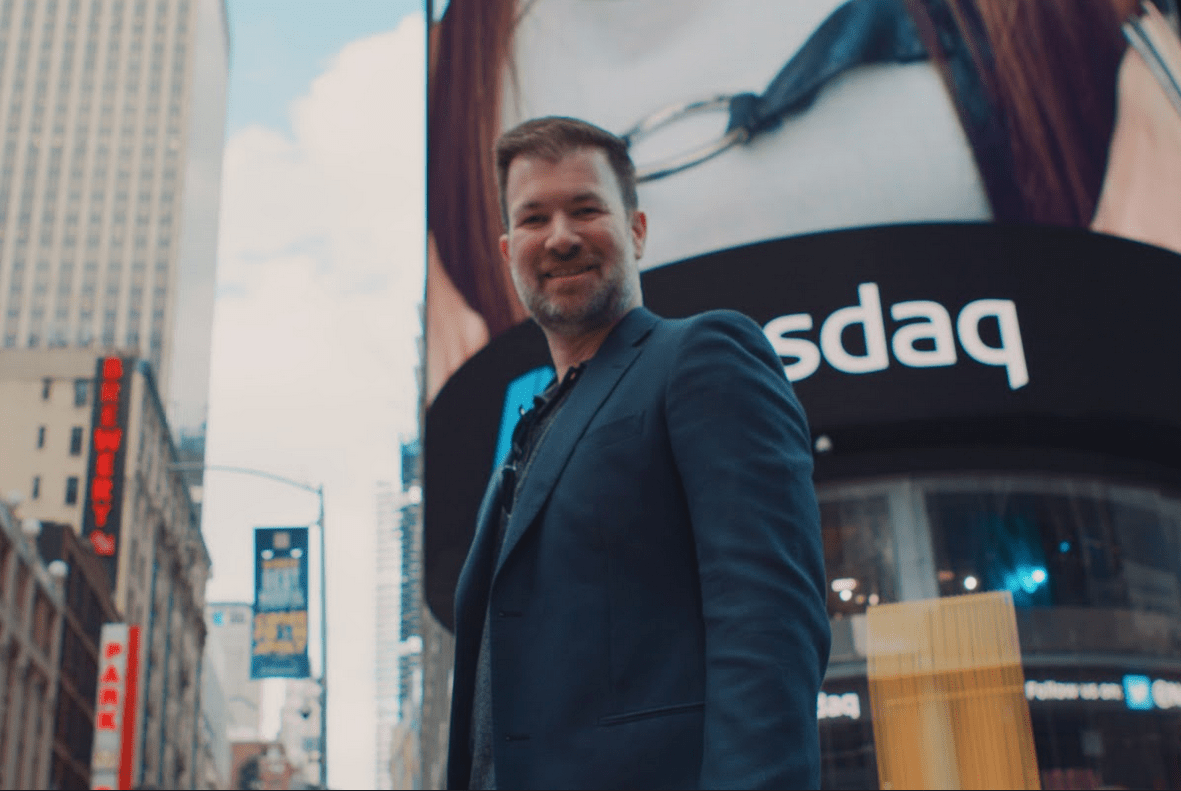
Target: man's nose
[563,240]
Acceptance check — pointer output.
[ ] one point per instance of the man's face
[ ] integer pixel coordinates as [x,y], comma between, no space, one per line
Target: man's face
[571,246]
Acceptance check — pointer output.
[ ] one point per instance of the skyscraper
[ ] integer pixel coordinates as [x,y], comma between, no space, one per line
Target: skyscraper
[399,638]
[388,627]
[111,134]
[410,566]
[112,121]
[229,643]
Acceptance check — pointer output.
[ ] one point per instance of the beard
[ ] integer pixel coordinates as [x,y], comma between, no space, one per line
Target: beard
[612,298]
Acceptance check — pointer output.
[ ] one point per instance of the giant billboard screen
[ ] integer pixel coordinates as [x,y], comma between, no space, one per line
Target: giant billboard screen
[955,219]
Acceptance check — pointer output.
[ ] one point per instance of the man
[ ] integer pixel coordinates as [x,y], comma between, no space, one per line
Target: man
[643,602]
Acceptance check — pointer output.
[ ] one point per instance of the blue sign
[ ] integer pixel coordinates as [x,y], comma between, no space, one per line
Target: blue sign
[280,640]
[1138,693]
[518,399]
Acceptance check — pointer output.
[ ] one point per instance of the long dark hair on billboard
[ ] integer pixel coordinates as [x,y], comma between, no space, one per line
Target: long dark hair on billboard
[469,52]
[1050,68]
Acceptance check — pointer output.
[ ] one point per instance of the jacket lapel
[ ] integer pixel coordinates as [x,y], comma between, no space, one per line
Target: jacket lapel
[602,373]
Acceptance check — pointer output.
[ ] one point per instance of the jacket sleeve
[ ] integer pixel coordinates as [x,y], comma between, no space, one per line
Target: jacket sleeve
[742,447]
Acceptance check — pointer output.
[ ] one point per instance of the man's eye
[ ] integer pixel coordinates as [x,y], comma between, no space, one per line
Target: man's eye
[586,211]
[532,219]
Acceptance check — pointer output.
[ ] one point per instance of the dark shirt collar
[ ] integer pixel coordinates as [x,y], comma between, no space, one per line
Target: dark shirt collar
[554,387]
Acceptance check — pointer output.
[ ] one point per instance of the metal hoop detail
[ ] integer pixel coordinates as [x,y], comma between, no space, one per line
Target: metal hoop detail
[679,162]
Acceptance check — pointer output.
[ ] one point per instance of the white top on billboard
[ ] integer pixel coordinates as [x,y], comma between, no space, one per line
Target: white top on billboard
[881,145]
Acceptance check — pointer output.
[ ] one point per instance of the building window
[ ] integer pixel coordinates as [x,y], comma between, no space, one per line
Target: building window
[45,385]
[859,553]
[76,441]
[81,392]
[72,490]
[1059,546]
[41,436]
[36,487]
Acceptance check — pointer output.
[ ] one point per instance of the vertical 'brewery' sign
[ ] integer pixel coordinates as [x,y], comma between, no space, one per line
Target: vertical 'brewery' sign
[113,752]
[280,642]
[108,443]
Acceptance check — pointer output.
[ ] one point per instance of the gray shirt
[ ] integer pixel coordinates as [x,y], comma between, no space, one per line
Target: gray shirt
[527,437]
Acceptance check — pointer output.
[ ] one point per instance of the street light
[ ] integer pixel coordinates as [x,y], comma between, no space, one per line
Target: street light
[319,492]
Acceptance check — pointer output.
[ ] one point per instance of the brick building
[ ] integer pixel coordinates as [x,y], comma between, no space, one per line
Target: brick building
[31,605]
[88,605]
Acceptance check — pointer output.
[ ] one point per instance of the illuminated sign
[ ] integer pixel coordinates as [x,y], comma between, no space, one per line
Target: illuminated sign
[1166,694]
[1137,692]
[830,707]
[103,504]
[1072,690]
[912,348]
[909,340]
[114,711]
[280,639]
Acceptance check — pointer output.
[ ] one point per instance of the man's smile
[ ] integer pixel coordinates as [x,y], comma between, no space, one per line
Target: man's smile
[567,271]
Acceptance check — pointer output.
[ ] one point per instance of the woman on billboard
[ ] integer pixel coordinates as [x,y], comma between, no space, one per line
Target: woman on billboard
[876,112]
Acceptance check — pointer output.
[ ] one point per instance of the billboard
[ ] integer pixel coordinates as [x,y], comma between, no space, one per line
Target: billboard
[279,645]
[113,752]
[889,187]
[102,514]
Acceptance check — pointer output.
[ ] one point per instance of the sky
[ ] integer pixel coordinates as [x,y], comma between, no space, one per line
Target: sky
[319,279]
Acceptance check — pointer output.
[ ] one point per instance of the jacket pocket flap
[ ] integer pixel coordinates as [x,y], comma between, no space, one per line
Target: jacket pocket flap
[657,711]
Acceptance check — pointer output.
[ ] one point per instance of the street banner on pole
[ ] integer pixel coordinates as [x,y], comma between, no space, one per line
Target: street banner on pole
[280,641]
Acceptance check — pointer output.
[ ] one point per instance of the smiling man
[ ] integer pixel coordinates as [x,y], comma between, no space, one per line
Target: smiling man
[643,602]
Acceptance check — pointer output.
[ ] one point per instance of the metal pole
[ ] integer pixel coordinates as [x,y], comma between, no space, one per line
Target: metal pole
[323,649]
[319,490]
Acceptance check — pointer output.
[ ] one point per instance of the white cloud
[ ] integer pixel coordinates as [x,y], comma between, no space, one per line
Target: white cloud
[314,351]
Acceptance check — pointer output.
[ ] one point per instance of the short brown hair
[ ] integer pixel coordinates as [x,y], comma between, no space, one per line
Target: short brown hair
[554,137]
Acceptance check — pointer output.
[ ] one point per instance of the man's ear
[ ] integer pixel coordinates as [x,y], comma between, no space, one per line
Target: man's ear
[504,248]
[639,232]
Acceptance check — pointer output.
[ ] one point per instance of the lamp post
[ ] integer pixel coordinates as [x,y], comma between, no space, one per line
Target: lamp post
[319,492]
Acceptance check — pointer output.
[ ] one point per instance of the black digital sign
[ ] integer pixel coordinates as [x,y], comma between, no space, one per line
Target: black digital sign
[912,347]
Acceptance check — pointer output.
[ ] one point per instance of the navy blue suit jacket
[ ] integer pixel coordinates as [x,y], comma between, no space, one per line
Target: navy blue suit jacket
[658,611]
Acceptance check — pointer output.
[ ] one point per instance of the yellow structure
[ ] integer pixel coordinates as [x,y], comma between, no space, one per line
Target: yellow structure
[947,693]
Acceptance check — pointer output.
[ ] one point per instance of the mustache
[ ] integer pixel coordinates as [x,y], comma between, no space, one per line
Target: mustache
[555,261]
[565,258]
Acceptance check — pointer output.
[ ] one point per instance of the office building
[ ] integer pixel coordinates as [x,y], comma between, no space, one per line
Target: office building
[133,509]
[112,118]
[46,405]
[388,627]
[230,627]
[112,115]
[399,639]
[410,568]
[405,760]
[213,749]
[262,765]
[31,604]
[89,603]
[299,730]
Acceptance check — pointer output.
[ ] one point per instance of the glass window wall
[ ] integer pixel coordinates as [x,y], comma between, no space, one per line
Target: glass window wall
[859,558]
